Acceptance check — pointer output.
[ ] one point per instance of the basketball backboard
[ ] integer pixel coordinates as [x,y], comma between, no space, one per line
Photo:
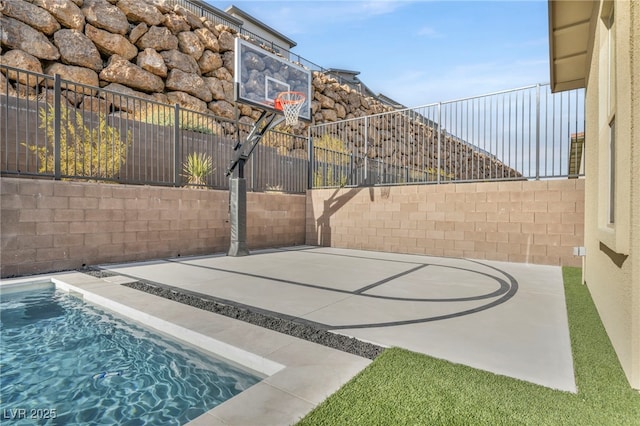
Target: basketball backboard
[260,76]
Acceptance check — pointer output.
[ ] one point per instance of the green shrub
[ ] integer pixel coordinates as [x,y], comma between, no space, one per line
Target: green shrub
[95,151]
[165,116]
[332,152]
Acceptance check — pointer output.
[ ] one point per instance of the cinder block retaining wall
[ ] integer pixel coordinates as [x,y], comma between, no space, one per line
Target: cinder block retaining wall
[52,225]
[523,221]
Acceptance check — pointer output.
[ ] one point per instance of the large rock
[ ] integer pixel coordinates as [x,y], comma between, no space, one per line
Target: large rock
[354,100]
[158,38]
[140,11]
[209,61]
[178,60]
[188,83]
[119,70]
[222,109]
[125,98]
[246,111]
[226,41]
[189,43]
[164,6]
[176,23]
[253,61]
[224,27]
[30,14]
[325,101]
[315,107]
[228,89]
[228,60]
[208,39]
[221,74]
[187,101]
[106,16]
[18,35]
[137,32]
[193,19]
[23,60]
[153,62]
[220,89]
[5,87]
[111,44]
[77,75]
[211,26]
[65,11]
[328,115]
[77,49]
[215,87]
[332,93]
[95,104]
[318,81]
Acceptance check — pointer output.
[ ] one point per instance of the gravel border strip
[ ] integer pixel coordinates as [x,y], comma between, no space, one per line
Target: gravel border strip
[253,316]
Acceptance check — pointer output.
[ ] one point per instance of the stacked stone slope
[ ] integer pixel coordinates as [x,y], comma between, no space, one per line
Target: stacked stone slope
[148,48]
[151,49]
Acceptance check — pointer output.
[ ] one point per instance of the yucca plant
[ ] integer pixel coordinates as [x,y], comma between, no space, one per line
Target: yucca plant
[196,168]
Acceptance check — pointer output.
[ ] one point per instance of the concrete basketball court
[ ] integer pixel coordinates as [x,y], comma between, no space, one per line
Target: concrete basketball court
[506,318]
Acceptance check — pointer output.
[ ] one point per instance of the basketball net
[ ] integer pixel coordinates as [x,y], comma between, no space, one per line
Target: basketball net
[290,104]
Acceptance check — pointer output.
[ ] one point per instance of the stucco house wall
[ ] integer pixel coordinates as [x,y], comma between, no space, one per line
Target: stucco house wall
[612,237]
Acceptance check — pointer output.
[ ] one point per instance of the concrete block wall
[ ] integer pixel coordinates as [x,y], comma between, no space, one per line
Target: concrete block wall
[51,225]
[56,225]
[518,221]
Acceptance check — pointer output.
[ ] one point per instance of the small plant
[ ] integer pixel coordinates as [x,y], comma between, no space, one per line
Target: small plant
[274,188]
[319,179]
[155,114]
[96,151]
[165,116]
[433,173]
[196,168]
[331,150]
[198,128]
[334,154]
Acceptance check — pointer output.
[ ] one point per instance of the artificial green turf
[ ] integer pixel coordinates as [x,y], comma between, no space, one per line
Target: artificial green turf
[405,388]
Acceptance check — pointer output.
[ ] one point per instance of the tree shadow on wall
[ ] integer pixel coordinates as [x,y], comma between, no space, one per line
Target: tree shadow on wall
[338,199]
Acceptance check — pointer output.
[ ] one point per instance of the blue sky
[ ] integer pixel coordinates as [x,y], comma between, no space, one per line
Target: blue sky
[418,52]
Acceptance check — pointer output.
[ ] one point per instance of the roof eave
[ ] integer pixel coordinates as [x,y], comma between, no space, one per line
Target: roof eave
[570,31]
[233,9]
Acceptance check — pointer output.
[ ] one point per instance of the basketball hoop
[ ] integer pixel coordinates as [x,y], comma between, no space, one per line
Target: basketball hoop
[290,103]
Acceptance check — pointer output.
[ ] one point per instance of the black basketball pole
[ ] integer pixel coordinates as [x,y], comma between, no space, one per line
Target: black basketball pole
[238,214]
[238,184]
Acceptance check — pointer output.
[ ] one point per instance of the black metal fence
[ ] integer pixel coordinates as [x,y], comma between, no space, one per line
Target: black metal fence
[525,133]
[50,127]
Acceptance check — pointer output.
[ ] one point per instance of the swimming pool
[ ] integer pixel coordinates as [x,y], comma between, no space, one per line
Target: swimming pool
[68,362]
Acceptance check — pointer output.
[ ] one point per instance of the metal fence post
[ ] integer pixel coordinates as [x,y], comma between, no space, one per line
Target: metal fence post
[439,141]
[352,169]
[254,159]
[538,131]
[311,167]
[57,104]
[177,136]
[366,152]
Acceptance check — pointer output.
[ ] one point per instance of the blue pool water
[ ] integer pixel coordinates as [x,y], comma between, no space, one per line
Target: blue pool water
[67,362]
